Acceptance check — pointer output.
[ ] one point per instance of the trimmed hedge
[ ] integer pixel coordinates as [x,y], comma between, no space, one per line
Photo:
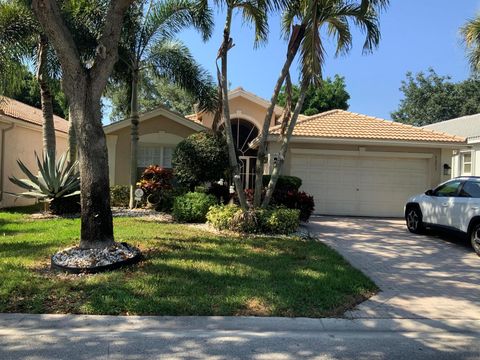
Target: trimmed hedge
[270,221]
[192,207]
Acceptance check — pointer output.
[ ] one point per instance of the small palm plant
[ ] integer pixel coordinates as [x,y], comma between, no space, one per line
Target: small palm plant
[57,183]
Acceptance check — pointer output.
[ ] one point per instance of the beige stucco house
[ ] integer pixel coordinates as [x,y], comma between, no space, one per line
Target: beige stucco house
[20,137]
[466,160]
[352,164]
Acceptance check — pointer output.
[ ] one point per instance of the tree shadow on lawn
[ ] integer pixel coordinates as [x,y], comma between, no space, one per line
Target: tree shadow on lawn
[199,277]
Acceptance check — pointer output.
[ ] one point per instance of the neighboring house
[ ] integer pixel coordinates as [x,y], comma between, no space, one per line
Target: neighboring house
[351,163]
[465,161]
[20,137]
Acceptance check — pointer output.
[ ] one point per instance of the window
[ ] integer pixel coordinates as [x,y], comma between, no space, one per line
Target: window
[471,189]
[154,155]
[448,189]
[466,163]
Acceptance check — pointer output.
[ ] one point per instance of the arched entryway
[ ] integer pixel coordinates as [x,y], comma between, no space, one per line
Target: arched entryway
[244,132]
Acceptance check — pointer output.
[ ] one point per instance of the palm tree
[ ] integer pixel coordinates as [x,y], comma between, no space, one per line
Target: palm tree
[256,12]
[20,33]
[315,15]
[471,35]
[149,42]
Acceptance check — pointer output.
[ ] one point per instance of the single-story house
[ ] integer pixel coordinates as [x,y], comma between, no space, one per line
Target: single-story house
[352,164]
[466,160]
[20,137]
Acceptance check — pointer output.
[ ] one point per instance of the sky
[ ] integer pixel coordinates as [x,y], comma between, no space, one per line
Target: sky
[416,35]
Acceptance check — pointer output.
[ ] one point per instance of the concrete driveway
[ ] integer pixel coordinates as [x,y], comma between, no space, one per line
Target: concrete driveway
[434,276]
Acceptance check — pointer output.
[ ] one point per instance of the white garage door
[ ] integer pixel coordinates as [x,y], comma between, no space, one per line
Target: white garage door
[360,186]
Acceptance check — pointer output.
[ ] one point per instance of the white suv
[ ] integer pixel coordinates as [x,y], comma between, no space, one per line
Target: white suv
[454,204]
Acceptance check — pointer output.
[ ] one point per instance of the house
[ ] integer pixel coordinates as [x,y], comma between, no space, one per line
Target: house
[20,137]
[352,164]
[466,160]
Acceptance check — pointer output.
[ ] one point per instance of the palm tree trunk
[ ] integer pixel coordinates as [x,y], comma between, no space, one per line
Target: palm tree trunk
[134,136]
[294,44]
[277,170]
[48,126]
[232,151]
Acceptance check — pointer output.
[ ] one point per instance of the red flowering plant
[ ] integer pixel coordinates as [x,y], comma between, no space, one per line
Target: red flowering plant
[155,181]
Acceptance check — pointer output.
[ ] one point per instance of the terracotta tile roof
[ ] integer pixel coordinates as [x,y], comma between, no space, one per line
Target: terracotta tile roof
[343,124]
[30,114]
[194,118]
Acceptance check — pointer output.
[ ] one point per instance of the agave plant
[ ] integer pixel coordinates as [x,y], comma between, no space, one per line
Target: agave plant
[57,183]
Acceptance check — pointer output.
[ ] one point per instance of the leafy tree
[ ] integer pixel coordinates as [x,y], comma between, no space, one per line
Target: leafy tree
[86,70]
[201,157]
[148,41]
[27,91]
[314,16]
[331,94]
[430,98]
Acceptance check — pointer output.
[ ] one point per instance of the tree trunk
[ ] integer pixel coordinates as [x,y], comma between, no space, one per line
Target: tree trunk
[277,170]
[96,221]
[232,149]
[72,141]
[134,136]
[48,126]
[293,46]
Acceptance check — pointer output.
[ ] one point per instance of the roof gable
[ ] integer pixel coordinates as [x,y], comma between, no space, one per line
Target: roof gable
[23,112]
[465,126]
[160,111]
[341,124]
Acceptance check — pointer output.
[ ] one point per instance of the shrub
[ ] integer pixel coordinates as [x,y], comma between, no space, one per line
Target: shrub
[284,183]
[119,195]
[280,220]
[220,216]
[270,221]
[295,200]
[200,158]
[156,181]
[192,207]
[54,183]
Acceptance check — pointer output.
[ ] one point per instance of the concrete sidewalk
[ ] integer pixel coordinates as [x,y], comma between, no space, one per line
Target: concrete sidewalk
[111,337]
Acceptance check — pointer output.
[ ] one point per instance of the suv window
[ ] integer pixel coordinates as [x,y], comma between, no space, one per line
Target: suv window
[471,189]
[448,189]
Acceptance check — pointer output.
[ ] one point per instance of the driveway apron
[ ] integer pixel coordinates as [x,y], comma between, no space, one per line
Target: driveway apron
[432,276]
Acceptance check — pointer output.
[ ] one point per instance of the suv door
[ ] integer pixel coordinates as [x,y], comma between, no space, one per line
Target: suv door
[442,201]
[467,205]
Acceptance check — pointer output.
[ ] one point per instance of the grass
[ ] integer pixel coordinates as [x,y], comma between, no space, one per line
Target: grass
[186,272]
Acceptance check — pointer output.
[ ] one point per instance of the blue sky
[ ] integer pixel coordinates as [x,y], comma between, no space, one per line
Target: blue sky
[416,35]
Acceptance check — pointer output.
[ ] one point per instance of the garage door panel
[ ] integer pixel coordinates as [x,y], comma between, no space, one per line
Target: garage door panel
[372,186]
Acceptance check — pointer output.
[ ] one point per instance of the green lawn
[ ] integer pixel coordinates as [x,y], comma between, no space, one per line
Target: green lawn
[186,272]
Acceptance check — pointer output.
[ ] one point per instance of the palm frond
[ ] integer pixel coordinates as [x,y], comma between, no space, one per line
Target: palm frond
[255,12]
[173,61]
[471,36]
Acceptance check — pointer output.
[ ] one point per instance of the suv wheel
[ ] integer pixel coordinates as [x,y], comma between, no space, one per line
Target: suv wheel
[414,221]
[475,238]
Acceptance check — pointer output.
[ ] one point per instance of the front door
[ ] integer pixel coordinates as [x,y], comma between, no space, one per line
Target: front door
[247,171]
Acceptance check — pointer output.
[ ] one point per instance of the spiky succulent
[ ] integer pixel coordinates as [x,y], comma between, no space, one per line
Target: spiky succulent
[55,180]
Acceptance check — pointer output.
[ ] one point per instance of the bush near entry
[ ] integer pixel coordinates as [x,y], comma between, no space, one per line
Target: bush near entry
[269,221]
[192,207]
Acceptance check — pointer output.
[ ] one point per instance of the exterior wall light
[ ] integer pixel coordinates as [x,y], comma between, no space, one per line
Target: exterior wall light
[447,170]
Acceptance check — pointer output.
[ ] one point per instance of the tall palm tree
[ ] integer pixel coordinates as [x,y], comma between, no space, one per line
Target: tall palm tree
[314,16]
[149,42]
[255,12]
[20,33]
[471,35]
